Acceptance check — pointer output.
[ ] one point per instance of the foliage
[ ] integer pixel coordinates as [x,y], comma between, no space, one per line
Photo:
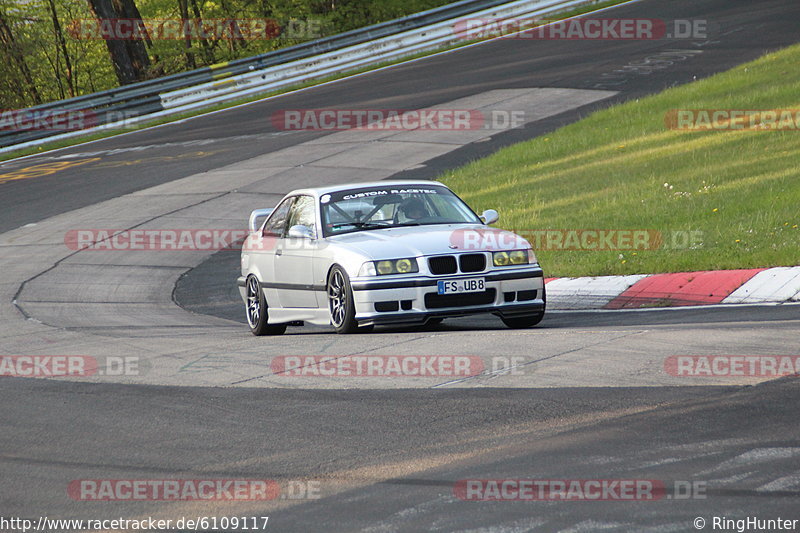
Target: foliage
[33,68]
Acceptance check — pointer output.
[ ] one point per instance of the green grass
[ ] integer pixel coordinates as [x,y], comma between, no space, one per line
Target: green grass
[54,145]
[621,168]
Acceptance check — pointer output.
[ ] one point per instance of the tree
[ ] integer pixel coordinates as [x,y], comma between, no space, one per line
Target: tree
[207,52]
[62,45]
[17,57]
[129,56]
[187,37]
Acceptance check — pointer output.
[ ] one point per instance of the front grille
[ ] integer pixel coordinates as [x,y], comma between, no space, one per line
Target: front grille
[443,264]
[437,301]
[472,262]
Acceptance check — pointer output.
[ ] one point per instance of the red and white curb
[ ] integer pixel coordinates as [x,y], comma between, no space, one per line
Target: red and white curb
[748,286]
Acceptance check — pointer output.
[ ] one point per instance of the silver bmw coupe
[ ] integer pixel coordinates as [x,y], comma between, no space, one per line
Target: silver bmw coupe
[387,252]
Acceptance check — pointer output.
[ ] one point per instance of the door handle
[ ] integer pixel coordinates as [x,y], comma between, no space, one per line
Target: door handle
[278,252]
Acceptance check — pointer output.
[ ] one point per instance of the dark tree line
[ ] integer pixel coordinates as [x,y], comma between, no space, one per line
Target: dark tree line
[44,58]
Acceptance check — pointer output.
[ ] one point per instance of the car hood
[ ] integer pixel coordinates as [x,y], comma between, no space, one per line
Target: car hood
[412,241]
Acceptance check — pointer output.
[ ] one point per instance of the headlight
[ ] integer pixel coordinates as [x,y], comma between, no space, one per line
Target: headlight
[513,258]
[388,267]
[500,259]
[518,257]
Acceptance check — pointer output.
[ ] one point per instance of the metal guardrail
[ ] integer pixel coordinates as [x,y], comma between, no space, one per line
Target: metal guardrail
[224,82]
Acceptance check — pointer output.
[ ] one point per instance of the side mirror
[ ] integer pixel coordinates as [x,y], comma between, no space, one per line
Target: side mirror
[490,216]
[299,231]
[257,217]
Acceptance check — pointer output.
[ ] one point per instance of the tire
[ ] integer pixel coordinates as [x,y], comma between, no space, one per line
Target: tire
[340,301]
[520,322]
[257,311]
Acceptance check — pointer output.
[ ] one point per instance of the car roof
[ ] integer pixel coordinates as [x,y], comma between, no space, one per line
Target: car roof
[319,191]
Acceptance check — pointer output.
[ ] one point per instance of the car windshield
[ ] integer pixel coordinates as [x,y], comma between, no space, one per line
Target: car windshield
[386,207]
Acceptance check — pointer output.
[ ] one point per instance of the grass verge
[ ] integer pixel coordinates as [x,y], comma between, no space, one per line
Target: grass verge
[720,199]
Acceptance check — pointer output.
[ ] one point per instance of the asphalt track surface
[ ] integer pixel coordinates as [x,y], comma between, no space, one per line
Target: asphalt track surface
[387,460]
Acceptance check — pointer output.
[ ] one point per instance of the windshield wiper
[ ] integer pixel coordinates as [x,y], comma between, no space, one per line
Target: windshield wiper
[360,225]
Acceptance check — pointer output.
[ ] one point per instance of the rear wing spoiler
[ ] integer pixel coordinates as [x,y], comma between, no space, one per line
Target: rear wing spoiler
[257,218]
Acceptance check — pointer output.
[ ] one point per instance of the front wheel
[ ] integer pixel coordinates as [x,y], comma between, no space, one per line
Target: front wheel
[519,322]
[257,310]
[340,301]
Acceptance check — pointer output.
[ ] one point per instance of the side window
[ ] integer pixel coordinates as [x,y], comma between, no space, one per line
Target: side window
[276,224]
[302,213]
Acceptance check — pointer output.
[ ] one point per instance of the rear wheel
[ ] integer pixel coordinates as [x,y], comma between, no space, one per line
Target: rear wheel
[257,311]
[340,301]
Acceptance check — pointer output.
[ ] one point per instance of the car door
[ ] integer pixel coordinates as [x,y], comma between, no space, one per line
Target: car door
[262,252]
[294,256]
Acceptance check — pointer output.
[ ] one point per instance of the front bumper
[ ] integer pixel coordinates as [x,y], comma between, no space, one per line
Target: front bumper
[414,299]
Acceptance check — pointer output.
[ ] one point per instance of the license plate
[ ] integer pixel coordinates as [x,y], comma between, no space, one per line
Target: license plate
[455,286]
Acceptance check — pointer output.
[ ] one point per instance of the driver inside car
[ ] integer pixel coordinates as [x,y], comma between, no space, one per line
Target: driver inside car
[413,209]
